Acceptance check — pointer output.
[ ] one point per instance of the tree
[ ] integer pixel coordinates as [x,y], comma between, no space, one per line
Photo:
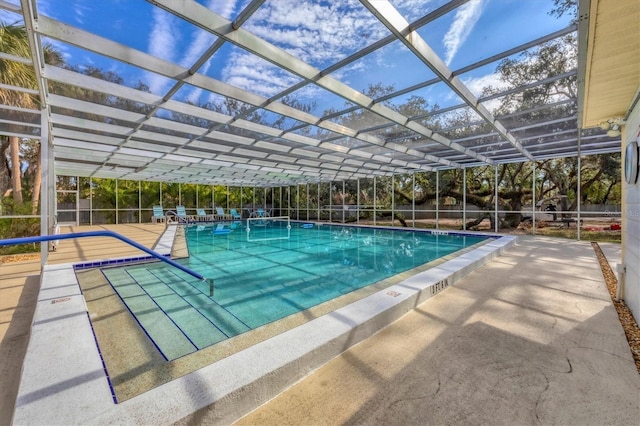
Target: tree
[565,6]
[14,41]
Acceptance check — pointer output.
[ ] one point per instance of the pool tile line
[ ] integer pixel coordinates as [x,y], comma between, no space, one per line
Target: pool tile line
[426,230]
[115,262]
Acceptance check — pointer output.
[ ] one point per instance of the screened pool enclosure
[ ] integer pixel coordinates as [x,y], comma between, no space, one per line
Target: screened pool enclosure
[372,112]
[390,201]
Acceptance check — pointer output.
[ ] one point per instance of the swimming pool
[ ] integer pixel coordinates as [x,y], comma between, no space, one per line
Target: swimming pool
[105,356]
[274,269]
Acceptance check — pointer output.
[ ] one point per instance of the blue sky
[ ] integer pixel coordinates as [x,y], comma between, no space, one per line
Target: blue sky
[319,32]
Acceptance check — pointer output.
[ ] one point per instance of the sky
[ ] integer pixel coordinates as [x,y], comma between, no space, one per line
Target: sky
[319,32]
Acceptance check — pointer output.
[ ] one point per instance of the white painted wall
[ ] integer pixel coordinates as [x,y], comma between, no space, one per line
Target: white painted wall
[631,223]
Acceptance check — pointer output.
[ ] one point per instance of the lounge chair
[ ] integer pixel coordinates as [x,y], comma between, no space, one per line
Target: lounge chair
[258,213]
[202,215]
[158,215]
[220,214]
[182,214]
[235,215]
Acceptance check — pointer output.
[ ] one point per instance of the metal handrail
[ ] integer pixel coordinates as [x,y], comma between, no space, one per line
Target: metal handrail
[43,238]
[180,219]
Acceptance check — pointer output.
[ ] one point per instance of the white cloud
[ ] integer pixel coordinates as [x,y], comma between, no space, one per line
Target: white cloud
[10,18]
[413,9]
[80,10]
[477,84]
[256,75]
[316,33]
[197,46]
[162,43]
[224,7]
[463,22]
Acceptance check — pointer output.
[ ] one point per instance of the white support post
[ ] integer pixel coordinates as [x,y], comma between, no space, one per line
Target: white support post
[495,201]
[307,201]
[464,199]
[413,199]
[117,213]
[45,193]
[139,202]
[343,189]
[91,200]
[437,199]
[533,200]
[578,194]
[375,193]
[297,202]
[393,201]
[358,201]
[330,201]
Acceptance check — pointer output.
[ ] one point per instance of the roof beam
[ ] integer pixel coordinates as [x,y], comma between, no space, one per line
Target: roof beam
[396,23]
[68,34]
[209,21]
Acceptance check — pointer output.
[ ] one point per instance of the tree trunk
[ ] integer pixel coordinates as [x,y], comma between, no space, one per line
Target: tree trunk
[16,173]
[4,167]
[400,219]
[477,221]
[37,182]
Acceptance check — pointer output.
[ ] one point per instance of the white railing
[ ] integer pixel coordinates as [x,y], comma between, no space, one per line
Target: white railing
[268,228]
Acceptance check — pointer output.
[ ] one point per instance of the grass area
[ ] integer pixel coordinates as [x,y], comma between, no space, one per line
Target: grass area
[588,232]
[17,228]
[603,236]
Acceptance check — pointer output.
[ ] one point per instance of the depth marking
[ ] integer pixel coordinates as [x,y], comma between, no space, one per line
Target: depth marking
[439,286]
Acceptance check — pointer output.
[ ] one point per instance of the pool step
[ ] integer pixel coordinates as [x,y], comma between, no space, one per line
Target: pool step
[182,319]
[185,285]
[169,339]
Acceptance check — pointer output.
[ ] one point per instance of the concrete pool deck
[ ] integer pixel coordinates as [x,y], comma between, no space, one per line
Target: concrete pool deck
[531,337]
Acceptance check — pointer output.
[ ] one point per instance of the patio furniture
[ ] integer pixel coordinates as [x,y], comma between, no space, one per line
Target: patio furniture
[181,212]
[220,214]
[158,215]
[202,215]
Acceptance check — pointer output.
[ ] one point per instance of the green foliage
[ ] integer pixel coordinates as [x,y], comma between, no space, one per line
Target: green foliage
[565,6]
[18,228]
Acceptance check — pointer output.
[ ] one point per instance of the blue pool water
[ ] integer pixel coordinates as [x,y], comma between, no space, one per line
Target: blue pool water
[267,273]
